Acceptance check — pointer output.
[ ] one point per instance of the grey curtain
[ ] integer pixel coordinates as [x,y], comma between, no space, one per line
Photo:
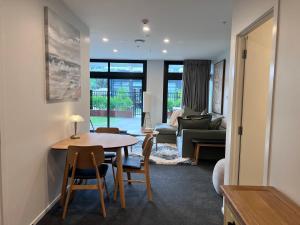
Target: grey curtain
[195,79]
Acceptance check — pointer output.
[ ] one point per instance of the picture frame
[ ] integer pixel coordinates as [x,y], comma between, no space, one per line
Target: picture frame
[218,87]
[62,58]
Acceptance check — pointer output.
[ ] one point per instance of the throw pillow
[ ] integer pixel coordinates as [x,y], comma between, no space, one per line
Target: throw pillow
[204,112]
[198,117]
[173,119]
[215,124]
[200,124]
[189,112]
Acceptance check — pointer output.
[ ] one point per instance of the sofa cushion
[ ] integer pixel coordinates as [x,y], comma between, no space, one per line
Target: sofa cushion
[166,129]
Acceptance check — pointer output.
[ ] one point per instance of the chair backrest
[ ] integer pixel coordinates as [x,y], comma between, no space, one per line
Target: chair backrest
[147,149]
[145,140]
[110,130]
[84,157]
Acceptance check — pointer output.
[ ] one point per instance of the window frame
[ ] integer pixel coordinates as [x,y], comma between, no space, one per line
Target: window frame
[120,75]
[168,76]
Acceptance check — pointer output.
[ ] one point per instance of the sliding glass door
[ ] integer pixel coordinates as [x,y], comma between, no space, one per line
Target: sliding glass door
[116,93]
[125,106]
[98,102]
[172,88]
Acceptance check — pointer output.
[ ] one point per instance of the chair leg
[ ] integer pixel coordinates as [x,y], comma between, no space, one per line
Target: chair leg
[129,177]
[106,189]
[64,185]
[101,195]
[113,172]
[148,184]
[67,203]
[116,190]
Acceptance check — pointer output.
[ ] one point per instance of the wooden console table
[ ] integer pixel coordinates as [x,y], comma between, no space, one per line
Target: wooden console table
[249,205]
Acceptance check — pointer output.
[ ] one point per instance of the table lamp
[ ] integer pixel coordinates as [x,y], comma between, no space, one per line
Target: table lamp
[76,119]
[147,102]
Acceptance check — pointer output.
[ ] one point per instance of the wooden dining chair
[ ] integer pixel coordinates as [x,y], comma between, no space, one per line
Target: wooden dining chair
[136,165]
[83,163]
[109,156]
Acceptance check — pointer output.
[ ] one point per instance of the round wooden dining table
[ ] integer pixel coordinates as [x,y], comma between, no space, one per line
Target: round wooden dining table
[110,143]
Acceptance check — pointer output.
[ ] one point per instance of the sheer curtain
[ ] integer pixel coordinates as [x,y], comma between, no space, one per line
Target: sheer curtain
[195,79]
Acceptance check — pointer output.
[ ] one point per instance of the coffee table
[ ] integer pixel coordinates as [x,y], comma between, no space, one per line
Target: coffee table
[141,132]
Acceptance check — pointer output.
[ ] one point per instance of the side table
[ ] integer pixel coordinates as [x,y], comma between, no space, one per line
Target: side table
[140,132]
[198,143]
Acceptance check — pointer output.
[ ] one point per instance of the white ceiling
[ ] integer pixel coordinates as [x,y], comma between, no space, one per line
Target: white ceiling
[194,27]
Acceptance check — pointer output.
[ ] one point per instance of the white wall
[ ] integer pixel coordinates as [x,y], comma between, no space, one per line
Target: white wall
[285,141]
[155,80]
[31,172]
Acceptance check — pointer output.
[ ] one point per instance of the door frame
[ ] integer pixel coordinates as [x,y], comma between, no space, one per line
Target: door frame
[233,155]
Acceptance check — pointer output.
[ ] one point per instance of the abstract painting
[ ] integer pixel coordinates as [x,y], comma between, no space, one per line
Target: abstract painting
[218,87]
[63,71]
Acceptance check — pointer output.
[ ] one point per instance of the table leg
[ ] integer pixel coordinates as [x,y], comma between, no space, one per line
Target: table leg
[197,153]
[120,178]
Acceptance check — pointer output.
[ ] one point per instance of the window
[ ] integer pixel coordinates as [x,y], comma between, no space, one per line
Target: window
[173,68]
[127,67]
[116,67]
[172,87]
[99,67]
[116,93]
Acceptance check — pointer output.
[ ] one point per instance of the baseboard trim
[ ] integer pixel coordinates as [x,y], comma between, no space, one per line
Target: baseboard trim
[47,209]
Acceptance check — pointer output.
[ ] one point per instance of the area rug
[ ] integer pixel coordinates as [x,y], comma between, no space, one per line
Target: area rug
[165,154]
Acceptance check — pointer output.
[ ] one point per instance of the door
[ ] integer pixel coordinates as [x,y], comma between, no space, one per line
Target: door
[255,104]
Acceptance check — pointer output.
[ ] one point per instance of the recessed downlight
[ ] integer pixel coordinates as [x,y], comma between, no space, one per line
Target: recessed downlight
[165,51]
[105,39]
[167,40]
[115,50]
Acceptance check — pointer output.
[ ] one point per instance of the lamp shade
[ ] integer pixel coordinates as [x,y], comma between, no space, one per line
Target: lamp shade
[76,118]
[147,101]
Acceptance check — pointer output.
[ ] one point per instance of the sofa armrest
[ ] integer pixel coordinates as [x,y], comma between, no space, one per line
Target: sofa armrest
[187,135]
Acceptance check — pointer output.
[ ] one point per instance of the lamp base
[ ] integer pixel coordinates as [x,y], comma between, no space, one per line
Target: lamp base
[75,137]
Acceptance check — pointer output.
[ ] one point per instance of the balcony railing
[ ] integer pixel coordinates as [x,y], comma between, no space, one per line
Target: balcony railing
[122,104]
[174,101]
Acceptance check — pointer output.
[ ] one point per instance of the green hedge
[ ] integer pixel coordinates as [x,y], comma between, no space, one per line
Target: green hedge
[121,102]
[175,101]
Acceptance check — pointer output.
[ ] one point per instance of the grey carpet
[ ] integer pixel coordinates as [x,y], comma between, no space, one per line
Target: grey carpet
[183,195]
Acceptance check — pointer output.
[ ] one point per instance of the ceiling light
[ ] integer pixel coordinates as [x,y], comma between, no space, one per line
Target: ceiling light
[146,28]
[115,50]
[164,51]
[167,40]
[105,39]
